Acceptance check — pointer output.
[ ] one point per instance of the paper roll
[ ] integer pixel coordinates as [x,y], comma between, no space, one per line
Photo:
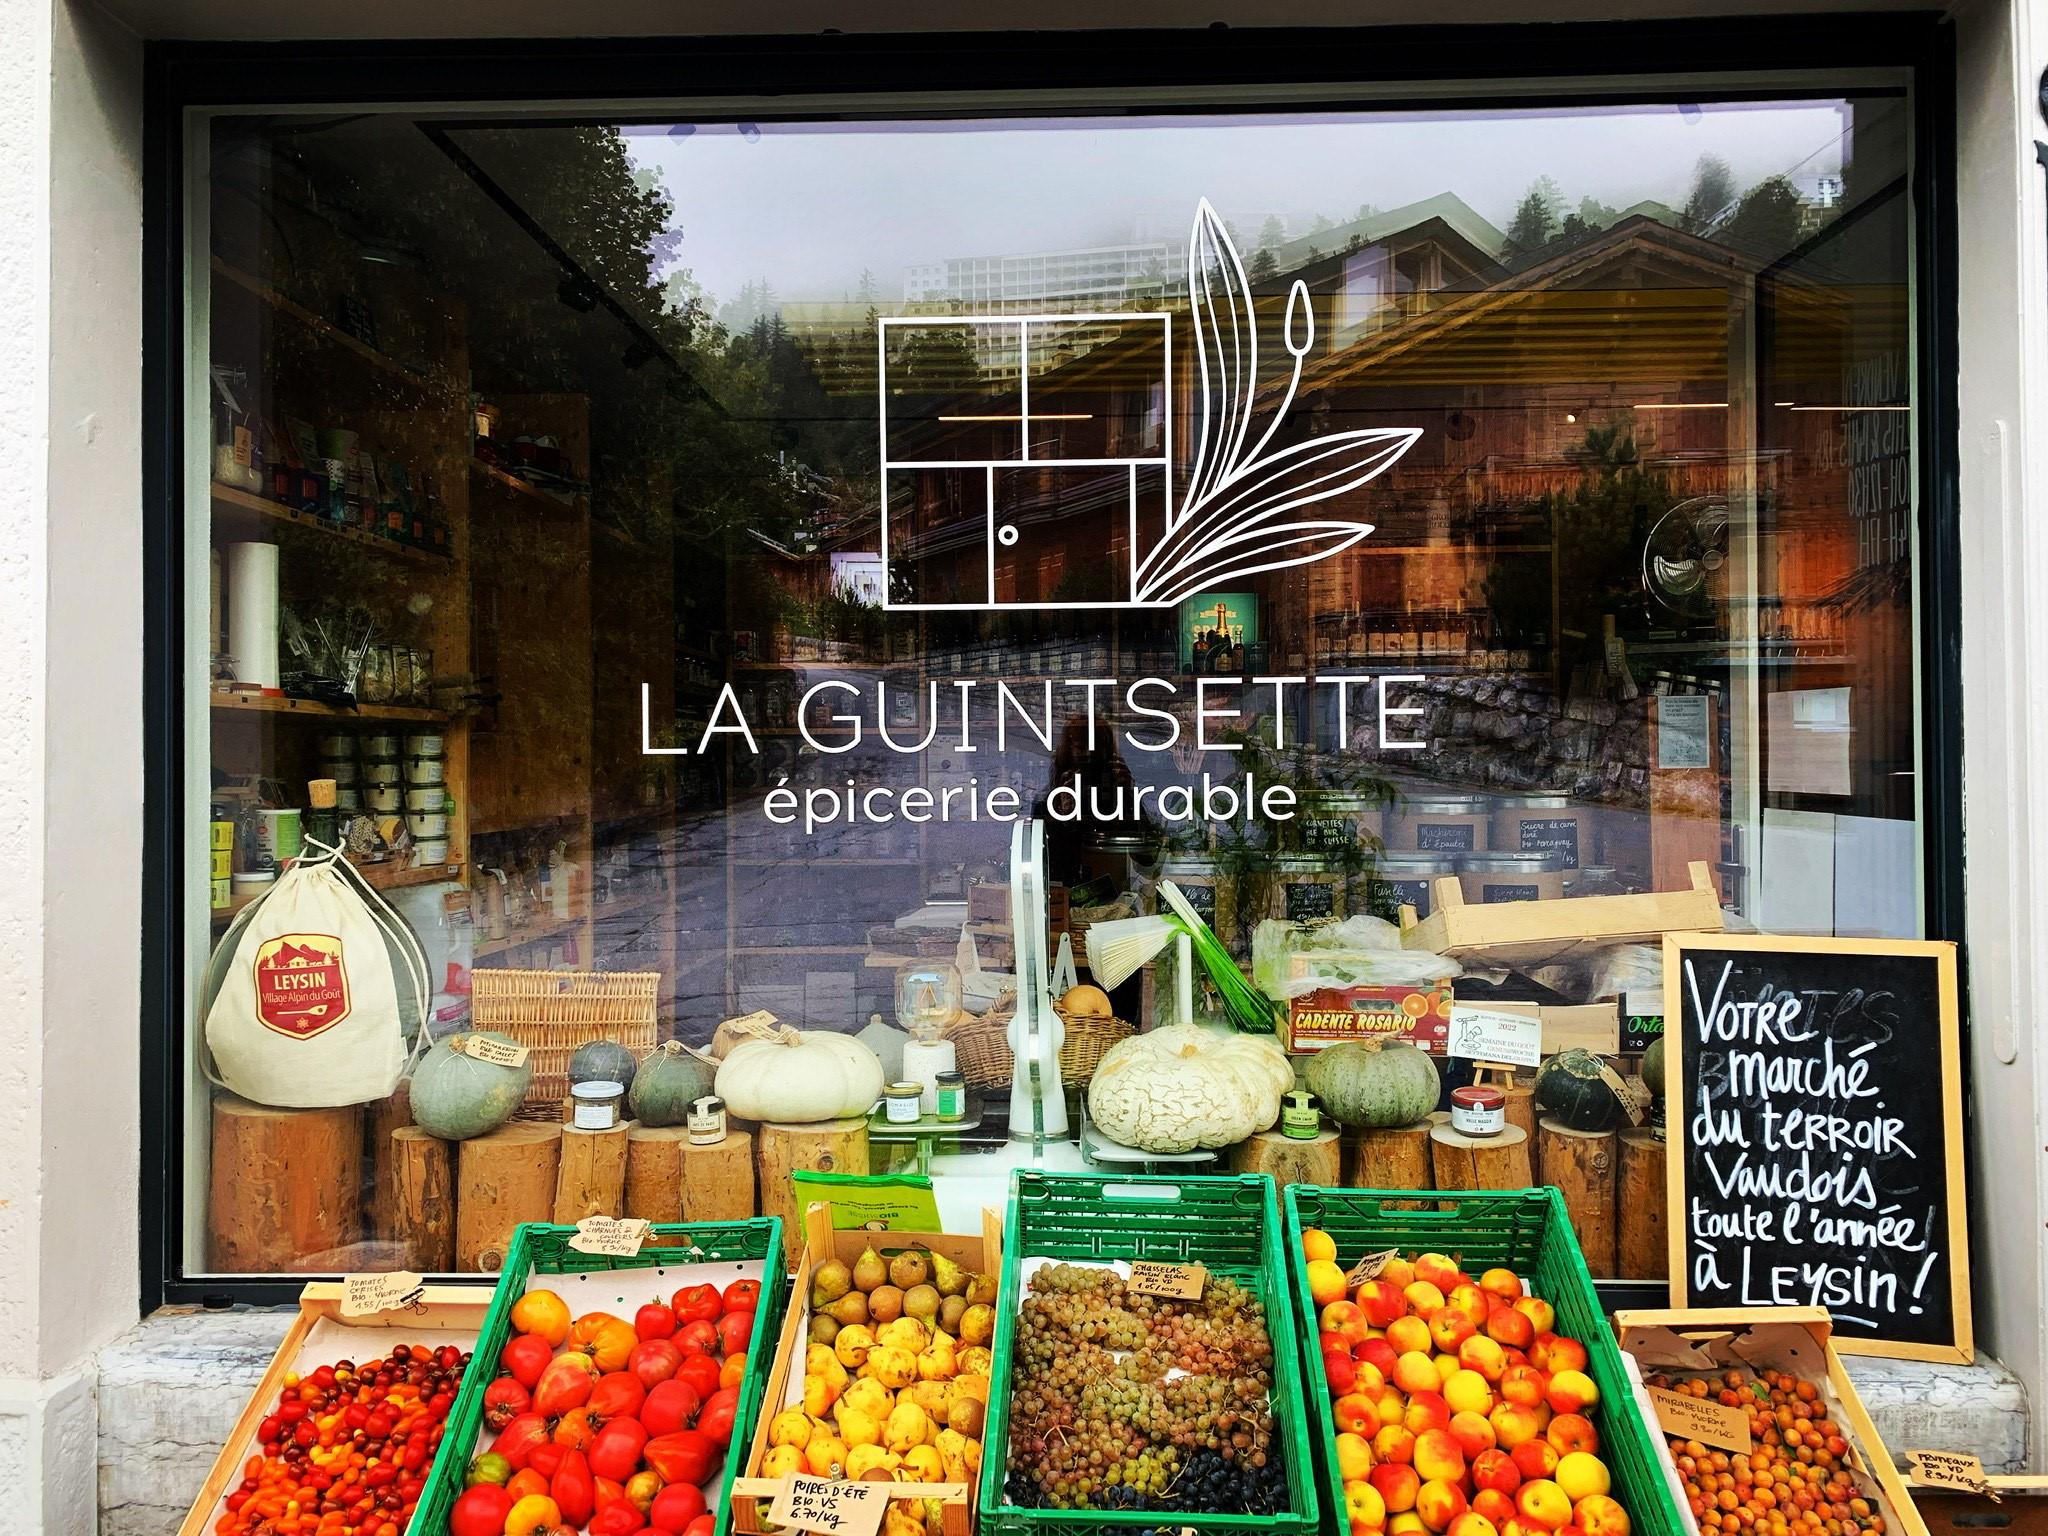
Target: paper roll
[252,613]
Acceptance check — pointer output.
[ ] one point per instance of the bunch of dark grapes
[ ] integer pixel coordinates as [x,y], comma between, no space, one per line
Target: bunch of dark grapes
[1135,1402]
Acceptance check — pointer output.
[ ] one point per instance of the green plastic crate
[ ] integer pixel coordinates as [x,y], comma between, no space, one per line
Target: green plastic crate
[1525,1230]
[544,1249]
[1231,1226]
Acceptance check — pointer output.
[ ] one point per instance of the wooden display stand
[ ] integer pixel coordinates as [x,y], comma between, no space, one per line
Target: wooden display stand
[1394,1158]
[1290,1160]
[284,1190]
[379,1121]
[503,1179]
[419,1205]
[829,1146]
[667,1179]
[1643,1248]
[591,1178]
[1580,1166]
[1500,1161]
[1519,934]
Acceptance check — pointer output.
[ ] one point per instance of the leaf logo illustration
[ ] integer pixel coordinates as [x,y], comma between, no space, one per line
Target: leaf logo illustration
[1247,507]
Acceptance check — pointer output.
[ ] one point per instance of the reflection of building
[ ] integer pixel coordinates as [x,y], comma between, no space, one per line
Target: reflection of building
[1104,274]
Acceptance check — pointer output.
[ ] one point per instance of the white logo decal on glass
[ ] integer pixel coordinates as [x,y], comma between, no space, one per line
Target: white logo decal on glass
[992,500]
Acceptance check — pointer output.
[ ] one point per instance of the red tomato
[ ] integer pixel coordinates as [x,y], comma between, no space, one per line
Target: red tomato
[547,1459]
[670,1407]
[654,1361]
[699,1372]
[516,1441]
[703,1525]
[616,1450]
[675,1507]
[687,1456]
[735,1329]
[699,1336]
[504,1400]
[617,1395]
[695,1303]
[527,1484]
[573,1489]
[526,1355]
[576,1429]
[655,1321]
[742,1296]
[481,1511]
[608,1492]
[565,1384]
[716,1417]
[620,1519]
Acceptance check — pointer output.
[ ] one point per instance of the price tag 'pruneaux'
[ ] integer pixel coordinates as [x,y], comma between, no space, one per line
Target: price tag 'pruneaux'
[1490,1034]
[362,1295]
[1182,1282]
[612,1237]
[1951,1469]
[499,1053]
[1702,1419]
[834,1508]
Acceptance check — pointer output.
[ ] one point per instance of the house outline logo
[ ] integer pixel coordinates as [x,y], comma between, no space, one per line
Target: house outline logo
[1239,514]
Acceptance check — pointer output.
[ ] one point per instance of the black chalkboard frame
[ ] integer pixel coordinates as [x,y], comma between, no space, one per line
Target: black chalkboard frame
[1961,1349]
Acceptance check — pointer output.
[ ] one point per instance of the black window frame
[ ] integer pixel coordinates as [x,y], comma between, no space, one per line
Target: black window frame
[1615,61]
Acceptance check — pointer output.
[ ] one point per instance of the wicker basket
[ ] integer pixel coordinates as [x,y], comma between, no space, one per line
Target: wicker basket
[551,1013]
[982,1047]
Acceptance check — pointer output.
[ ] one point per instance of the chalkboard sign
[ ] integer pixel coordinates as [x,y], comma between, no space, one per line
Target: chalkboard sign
[1813,1101]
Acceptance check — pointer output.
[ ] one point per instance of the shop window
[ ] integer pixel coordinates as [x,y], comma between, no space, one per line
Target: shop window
[660,564]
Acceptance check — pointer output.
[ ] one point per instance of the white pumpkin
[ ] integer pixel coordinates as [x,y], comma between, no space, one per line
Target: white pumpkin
[1185,1086]
[800,1076]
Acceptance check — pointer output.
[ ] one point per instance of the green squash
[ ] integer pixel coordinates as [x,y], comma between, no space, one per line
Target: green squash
[602,1061]
[1653,1069]
[1569,1088]
[668,1082]
[455,1096]
[1365,1087]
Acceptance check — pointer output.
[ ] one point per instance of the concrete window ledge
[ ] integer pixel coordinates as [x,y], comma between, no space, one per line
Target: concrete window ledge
[171,1388]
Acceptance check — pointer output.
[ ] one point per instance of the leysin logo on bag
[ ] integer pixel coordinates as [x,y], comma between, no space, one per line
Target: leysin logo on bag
[301,984]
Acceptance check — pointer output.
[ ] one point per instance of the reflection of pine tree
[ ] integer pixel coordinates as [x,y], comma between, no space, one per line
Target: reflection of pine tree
[1713,193]
[1265,266]
[1536,217]
[1768,219]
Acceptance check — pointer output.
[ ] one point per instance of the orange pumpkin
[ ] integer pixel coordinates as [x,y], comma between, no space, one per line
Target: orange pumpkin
[543,1314]
[606,1339]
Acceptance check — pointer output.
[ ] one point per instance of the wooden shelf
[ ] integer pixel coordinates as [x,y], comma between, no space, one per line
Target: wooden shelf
[310,709]
[325,330]
[388,876]
[232,503]
[531,931]
[518,487]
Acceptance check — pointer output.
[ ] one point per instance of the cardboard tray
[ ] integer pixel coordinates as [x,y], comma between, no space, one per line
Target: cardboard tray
[752,1493]
[1519,934]
[1796,1339]
[448,1313]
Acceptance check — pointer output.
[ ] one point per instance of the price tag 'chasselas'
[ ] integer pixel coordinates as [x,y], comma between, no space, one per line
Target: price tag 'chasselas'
[1182,1282]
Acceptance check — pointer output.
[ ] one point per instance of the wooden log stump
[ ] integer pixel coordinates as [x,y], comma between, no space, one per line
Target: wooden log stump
[501,1180]
[1580,1165]
[1521,1112]
[829,1146]
[1499,1161]
[667,1179]
[1290,1160]
[380,1158]
[421,1201]
[1642,1247]
[654,1172]
[1395,1157]
[591,1180]
[284,1185]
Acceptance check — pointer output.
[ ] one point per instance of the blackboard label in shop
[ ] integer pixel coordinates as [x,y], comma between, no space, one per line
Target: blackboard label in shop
[1327,834]
[1202,898]
[1551,835]
[1495,893]
[1444,837]
[1813,1092]
[1308,900]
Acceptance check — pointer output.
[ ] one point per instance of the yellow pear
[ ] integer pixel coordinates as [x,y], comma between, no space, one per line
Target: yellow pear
[977,1325]
[921,1464]
[966,1415]
[937,1364]
[977,1360]
[892,1366]
[897,1519]
[870,1397]
[825,1456]
[948,1278]
[852,1346]
[934,1517]
[952,1450]
[857,1428]
[872,1462]
[908,1425]
[973,1456]
[868,1270]
[782,1461]
[905,1333]
[981,1290]
[932,1396]
[820,1361]
[820,1395]
[790,1427]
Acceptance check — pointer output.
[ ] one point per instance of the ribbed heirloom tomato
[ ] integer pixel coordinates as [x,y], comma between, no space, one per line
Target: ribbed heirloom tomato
[481,1511]
[697,1303]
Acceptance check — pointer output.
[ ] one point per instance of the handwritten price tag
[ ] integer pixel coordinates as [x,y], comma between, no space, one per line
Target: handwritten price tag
[1369,1267]
[834,1508]
[1697,1418]
[362,1295]
[1633,1096]
[1951,1469]
[1488,1034]
[499,1053]
[611,1237]
[1182,1282]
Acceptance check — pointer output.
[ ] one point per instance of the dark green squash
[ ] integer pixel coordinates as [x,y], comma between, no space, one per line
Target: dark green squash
[1653,1069]
[602,1061]
[1569,1088]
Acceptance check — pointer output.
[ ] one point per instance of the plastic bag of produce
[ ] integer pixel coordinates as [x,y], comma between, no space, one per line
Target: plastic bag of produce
[309,996]
[1294,959]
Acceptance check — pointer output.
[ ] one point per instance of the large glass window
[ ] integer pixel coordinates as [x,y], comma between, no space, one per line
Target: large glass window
[641,573]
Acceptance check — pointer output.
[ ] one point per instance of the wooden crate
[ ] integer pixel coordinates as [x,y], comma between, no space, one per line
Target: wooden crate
[751,1492]
[1702,1340]
[448,1313]
[1519,934]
